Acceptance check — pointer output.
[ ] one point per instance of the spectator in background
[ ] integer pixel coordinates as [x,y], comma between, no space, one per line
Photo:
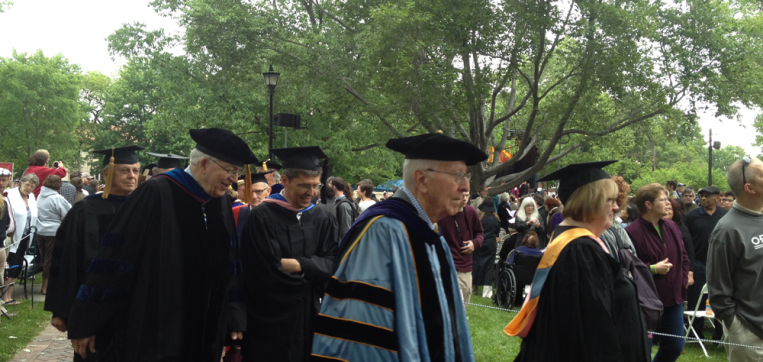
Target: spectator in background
[727,199]
[671,186]
[659,245]
[346,210]
[687,201]
[701,223]
[86,188]
[51,208]
[68,191]
[464,234]
[513,203]
[524,188]
[527,219]
[7,225]
[680,189]
[553,207]
[616,237]
[78,185]
[484,257]
[95,185]
[366,193]
[504,211]
[629,214]
[477,199]
[685,234]
[735,262]
[24,207]
[38,165]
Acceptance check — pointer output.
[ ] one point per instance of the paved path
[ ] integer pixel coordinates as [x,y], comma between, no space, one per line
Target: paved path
[50,346]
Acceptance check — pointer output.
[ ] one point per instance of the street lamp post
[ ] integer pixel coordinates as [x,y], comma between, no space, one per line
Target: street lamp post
[717,146]
[271,79]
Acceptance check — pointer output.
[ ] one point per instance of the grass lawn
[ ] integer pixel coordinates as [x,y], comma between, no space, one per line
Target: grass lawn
[490,344]
[25,326]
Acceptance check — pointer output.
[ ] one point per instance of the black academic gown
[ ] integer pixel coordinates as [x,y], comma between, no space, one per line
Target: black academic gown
[77,241]
[588,311]
[160,279]
[281,307]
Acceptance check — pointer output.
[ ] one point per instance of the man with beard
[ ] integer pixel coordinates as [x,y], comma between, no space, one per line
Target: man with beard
[287,246]
[161,277]
[395,295]
[79,237]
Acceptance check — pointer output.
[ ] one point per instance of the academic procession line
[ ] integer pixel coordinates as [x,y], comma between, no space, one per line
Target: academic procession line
[171,267]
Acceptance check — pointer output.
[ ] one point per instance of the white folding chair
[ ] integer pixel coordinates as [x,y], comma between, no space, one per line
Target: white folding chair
[692,315]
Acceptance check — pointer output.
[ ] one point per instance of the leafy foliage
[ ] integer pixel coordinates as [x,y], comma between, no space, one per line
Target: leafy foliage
[39,108]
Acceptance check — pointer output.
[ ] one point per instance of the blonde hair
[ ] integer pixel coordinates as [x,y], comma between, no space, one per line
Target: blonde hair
[588,200]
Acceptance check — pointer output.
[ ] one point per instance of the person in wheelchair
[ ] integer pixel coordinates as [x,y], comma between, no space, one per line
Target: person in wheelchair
[522,262]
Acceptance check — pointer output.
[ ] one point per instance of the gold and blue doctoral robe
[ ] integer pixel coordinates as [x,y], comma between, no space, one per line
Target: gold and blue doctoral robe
[394,295]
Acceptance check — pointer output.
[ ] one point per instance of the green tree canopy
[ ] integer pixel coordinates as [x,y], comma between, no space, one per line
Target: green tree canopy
[39,108]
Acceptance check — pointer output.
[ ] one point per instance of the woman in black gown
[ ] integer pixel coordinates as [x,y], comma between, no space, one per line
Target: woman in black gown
[484,257]
[586,309]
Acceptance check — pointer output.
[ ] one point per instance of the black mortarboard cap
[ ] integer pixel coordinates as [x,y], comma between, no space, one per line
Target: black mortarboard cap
[302,158]
[572,177]
[224,145]
[124,155]
[149,167]
[436,146]
[271,165]
[168,160]
[257,177]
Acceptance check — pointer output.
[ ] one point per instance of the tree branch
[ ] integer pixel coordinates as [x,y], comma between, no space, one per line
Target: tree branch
[358,149]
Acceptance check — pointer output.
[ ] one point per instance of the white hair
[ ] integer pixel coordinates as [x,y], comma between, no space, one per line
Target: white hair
[410,167]
[505,197]
[277,177]
[521,215]
[197,155]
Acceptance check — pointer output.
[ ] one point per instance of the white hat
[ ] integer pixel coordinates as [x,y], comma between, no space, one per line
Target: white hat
[4,172]
[540,189]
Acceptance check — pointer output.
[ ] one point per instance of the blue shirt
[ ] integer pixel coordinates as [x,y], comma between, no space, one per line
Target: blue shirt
[418,207]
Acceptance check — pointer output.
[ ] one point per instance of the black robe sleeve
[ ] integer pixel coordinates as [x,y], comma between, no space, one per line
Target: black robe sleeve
[67,269]
[104,294]
[319,267]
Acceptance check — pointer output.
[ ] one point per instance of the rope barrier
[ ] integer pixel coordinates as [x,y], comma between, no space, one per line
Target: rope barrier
[654,333]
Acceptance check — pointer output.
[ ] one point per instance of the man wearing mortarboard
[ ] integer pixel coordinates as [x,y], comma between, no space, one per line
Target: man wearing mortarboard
[167,162]
[79,237]
[287,246]
[259,191]
[165,270]
[274,179]
[395,294]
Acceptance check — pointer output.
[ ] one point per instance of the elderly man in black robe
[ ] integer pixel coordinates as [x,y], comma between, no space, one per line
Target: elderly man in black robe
[288,246]
[79,237]
[162,275]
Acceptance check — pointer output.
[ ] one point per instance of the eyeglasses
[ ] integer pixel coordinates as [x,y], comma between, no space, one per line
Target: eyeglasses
[663,200]
[233,172]
[459,176]
[307,187]
[745,161]
[259,192]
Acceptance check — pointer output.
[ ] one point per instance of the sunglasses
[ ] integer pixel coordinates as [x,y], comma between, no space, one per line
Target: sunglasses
[745,161]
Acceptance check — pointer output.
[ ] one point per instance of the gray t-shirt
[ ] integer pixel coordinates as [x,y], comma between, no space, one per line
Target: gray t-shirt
[735,268]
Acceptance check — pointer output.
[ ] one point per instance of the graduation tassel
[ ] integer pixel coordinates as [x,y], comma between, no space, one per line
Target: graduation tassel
[265,165]
[109,177]
[247,197]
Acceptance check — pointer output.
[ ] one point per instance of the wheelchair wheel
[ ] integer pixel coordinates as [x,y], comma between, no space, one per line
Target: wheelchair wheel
[506,289]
